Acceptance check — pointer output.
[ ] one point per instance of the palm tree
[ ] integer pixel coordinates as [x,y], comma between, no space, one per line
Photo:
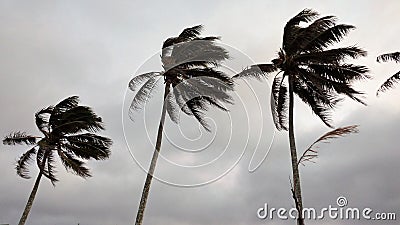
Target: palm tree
[68,131]
[395,56]
[314,72]
[192,83]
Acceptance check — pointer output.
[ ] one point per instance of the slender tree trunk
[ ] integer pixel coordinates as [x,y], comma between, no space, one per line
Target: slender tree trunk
[293,153]
[30,200]
[149,178]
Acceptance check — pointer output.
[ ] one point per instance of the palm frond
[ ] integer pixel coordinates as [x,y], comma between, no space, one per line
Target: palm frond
[139,79]
[186,35]
[67,104]
[88,145]
[331,56]
[172,107]
[42,119]
[197,109]
[307,34]
[343,73]
[206,86]
[329,37]
[389,83]
[309,97]
[181,100]
[191,32]
[306,15]
[395,56]
[321,88]
[50,171]
[279,103]
[256,71]
[19,138]
[40,157]
[198,53]
[77,119]
[23,163]
[74,165]
[302,36]
[291,28]
[311,152]
[283,106]
[215,102]
[214,78]
[143,94]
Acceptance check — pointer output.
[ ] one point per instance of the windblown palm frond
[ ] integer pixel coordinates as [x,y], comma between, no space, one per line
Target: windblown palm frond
[23,162]
[136,81]
[395,56]
[88,146]
[71,163]
[311,152]
[19,138]
[395,78]
[279,103]
[144,94]
[49,170]
[256,71]
[186,35]
[42,120]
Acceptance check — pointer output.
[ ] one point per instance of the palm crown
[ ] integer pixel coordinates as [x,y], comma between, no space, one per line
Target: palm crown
[318,74]
[68,131]
[190,74]
[389,83]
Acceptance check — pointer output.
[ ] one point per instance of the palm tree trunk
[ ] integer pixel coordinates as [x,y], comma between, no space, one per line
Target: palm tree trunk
[30,200]
[149,178]
[293,153]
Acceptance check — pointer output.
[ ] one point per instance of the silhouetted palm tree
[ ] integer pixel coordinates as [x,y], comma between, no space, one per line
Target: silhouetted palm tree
[395,56]
[307,67]
[69,132]
[192,83]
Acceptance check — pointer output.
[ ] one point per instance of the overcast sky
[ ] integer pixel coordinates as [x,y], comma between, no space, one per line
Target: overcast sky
[53,49]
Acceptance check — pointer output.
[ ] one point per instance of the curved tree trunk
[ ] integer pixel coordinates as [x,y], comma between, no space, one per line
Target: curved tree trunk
[293,153]
[149,178]
[30,200]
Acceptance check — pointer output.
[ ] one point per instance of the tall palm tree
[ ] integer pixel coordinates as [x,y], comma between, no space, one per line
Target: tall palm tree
[68,131]
[389,83]
[192,83]
[314,72]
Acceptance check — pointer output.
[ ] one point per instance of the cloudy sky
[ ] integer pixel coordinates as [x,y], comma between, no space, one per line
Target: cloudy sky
[53,49]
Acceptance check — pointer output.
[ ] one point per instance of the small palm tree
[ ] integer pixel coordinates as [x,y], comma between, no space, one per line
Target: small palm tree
[192,83]
[389,83]
[69,132]
[307,68]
